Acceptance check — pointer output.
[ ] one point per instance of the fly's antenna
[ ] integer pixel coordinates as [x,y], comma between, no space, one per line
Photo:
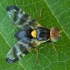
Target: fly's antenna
[62,31]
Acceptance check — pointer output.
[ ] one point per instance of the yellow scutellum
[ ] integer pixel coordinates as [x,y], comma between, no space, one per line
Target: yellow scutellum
[34,33]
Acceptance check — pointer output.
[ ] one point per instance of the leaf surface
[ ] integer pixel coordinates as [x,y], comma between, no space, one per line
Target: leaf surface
[54,13]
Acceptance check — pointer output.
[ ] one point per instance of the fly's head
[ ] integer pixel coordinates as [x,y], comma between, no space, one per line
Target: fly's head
[54,34]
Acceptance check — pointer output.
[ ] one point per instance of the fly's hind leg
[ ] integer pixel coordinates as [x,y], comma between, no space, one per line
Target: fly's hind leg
[36,54]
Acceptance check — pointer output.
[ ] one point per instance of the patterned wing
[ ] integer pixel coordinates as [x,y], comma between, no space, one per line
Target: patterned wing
[19,17]
[18,51]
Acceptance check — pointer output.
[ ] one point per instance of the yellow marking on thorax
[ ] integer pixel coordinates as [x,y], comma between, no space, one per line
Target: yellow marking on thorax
[34,33]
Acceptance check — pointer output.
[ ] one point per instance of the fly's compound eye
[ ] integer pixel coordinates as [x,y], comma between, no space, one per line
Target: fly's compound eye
[54,34]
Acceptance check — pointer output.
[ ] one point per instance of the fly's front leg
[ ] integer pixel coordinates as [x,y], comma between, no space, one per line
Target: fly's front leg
[50,42]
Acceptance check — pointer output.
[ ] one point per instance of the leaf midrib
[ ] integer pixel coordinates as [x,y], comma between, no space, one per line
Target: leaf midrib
[57,19]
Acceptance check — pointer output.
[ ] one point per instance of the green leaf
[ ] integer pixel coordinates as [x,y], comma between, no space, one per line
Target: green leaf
[55,13]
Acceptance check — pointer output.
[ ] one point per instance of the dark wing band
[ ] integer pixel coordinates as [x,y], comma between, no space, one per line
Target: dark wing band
[19,17]
[18,51]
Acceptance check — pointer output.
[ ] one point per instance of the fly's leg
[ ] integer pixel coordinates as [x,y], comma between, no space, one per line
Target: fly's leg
[40,14]
[36,24]
[50,42]
[54,48]
[36,54]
